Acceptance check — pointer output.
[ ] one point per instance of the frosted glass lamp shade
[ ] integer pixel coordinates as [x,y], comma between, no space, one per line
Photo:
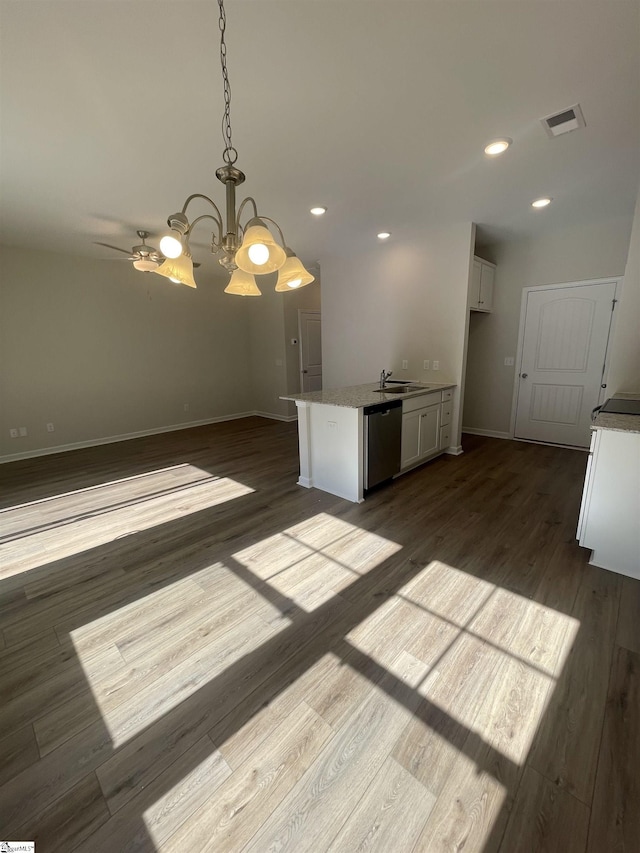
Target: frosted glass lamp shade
[242,284]
[252,258]
[178,269]
[292,274]
[145,265]
[171,246]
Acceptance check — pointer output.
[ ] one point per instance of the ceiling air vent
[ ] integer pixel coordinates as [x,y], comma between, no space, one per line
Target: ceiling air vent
[564,122]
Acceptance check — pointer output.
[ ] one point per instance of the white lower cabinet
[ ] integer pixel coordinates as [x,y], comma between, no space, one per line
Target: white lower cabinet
[423,432]
[609,521]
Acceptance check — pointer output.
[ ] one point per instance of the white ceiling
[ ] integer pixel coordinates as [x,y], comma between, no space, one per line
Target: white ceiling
[111,115]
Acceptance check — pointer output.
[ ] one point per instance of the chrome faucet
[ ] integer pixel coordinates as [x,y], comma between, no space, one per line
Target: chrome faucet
[384,376]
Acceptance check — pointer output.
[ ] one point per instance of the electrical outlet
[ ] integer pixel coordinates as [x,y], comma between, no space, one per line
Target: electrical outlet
[436,365]
[23,431]
[185,407]
[405,364]
[49,427]
[13,433]
[425,364]
[332,424]
[508,362]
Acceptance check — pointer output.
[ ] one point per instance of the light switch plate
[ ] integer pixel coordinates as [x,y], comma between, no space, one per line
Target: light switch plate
[436,365]
[425,364]
[508,362]
[405,364]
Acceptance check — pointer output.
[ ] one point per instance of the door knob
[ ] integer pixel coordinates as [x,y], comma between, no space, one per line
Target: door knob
[524,375]
[305,371]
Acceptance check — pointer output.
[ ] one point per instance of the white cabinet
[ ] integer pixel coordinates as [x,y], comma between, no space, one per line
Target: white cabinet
[445,419]
[482,285]
[610,513]
[423,431]
[410,438]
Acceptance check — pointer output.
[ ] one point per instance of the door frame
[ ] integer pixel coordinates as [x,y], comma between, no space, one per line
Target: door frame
[617,281]
[302,311]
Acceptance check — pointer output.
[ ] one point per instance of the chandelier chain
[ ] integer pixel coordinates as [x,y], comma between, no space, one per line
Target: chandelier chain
[229,155]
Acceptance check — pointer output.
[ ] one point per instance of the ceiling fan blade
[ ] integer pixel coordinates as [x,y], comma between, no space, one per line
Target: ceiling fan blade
[117,248]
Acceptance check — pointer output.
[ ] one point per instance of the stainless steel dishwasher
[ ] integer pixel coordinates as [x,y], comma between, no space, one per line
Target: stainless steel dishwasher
[382,442]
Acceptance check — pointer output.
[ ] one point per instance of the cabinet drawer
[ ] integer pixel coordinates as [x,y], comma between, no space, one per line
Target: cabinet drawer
[445,417]
[445,437]
[447,395]
[421,401]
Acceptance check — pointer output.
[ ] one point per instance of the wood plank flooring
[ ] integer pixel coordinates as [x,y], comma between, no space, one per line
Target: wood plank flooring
[197,654]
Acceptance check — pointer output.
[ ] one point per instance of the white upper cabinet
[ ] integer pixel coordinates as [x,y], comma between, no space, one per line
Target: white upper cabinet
[482,285]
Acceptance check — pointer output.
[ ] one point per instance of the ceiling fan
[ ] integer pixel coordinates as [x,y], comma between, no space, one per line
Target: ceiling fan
[144,257]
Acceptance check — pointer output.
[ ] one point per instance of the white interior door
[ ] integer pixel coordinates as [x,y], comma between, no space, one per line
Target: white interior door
[310,351]
[566,331]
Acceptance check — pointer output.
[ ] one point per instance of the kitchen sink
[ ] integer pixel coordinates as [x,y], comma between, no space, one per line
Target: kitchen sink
[400,389]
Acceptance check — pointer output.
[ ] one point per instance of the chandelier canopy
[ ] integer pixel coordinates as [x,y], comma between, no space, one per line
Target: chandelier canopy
[244,250]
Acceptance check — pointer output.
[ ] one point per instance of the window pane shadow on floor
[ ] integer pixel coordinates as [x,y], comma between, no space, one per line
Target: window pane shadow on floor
[317,662]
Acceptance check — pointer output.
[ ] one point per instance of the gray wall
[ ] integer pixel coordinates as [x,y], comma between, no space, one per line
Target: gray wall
[624,365]
[404,300]
[598,250]
[101,350]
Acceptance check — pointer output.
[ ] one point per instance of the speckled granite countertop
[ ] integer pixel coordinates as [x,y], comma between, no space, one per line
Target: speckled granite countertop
[358,396]
[619,423]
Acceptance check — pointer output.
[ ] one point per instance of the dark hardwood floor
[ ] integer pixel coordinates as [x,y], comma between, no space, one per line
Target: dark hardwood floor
[198,654]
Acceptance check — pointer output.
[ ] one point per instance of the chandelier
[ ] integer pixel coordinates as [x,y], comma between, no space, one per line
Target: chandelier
[244,250]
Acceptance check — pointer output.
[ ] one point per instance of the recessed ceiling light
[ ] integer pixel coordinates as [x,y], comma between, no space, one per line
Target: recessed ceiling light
[541,202]
[497,146]
[384,235]
[318,211]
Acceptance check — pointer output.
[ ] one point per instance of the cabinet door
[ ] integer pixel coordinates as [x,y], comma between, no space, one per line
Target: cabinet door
[476,276]
[410,438]
[429,431]
[485,301]
[445,436]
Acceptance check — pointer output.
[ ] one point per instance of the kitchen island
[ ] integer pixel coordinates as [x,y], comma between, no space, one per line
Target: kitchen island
[331,432]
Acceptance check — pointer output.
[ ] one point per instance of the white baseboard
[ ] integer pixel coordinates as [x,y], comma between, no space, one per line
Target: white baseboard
[551,444]
[454,451]
[491,433]
[306,482]
[286,418]
[113,439]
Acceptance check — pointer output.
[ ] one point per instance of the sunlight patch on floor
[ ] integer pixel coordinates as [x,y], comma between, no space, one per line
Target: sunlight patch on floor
[312,561]
[497,655]
[61,527]
[477,655]
[169,645]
